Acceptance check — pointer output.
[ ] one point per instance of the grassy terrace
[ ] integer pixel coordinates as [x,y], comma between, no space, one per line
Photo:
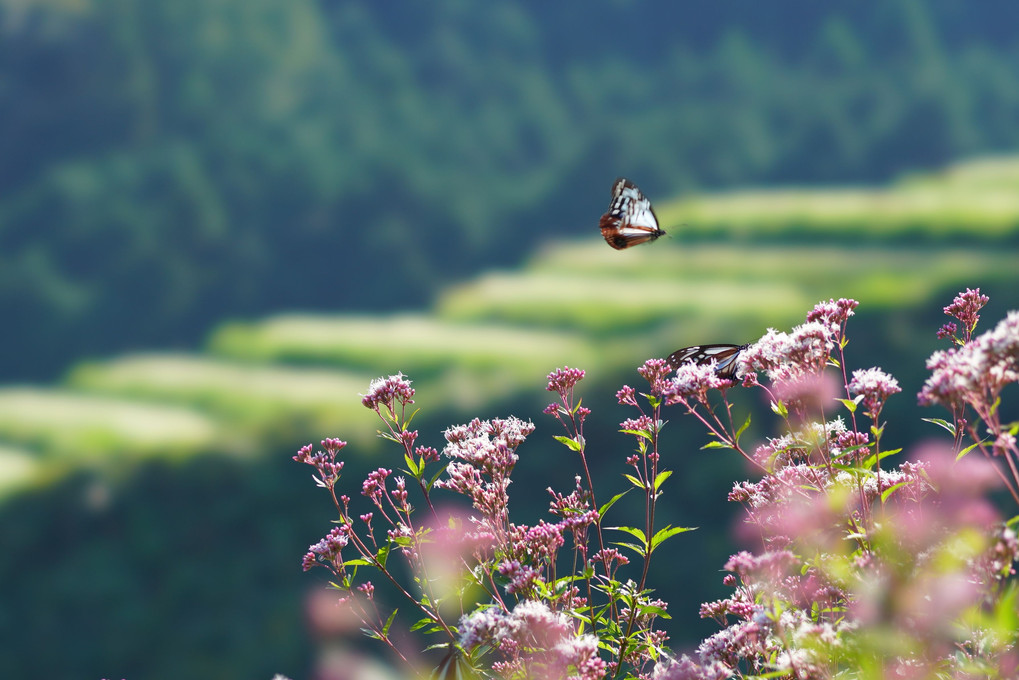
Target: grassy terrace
[297,377]
[973,201]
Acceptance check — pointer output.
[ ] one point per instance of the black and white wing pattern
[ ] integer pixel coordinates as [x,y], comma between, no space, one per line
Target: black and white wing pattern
[724,356]
[630,220]
[453,667]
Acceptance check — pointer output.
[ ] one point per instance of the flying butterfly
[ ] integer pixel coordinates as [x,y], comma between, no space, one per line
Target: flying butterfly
[723,355]
[630,220]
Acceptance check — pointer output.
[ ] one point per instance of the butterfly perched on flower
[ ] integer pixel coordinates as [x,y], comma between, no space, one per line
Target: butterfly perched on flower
[723,355]
[454,666]
[630,220]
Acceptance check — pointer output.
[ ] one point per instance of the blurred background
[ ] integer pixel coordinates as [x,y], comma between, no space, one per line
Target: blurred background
[219,220]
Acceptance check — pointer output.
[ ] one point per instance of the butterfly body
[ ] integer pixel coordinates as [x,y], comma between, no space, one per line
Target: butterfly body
[630,219]
[724,356]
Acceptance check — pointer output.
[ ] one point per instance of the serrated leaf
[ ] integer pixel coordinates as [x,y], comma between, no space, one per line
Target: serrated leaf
[383,555]
[636,482]
[357,562]
[941,422]
[851,404]
[633,531]
[662,476]
[421,623]
[632,546]
[667,533]
[389,622]
[969,448]
[570,443]
[716,445]
[573,411]
[870,460]
[412,466]
[890,490]
[612,501]
[637,433]
[654,609]
[434,478]
[742,429]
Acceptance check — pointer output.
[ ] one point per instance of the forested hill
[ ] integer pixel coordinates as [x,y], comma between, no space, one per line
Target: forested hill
[168,163]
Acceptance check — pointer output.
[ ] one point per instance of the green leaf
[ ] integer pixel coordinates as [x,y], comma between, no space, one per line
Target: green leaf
[389,622]
[636,482]
[633,531]
[421,623]
[612,501]
[969,448]
[667,533]
[662,476]
[640,550]
[779,408]
[890,490]
[870,460]
[570,442]
[382,555]
[435,477]
[653,609]
[743,428]
[576,408]
[851,404]
[716,445]
[941,422]
[357,562]
[637,433]
[412,466]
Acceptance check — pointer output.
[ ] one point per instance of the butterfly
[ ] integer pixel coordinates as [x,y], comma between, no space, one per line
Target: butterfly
[724,356]
[630,220]
[454,667]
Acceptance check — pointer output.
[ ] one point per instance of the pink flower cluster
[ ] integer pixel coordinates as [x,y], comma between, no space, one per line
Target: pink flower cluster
[874,386]
[387,392]
[534,641]
[976,372]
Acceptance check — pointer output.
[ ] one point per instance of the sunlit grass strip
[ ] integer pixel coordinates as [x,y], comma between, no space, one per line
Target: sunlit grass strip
[925,210]
[607,303]
[18,467]
[239,391]
[412,343]
[799,263]
[74,426]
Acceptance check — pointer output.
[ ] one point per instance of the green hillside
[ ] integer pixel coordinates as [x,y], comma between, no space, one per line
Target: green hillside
[578,302]
[172,466]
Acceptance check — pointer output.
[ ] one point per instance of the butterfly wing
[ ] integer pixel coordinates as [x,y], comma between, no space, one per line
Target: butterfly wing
[630,219]
[724,356]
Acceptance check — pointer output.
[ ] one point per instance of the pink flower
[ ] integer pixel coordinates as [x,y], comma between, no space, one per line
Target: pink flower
[965,307]
[655,372]
[387,391]
[563,380]
[875,386]
[787,356]
[976,372]
[692,381]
